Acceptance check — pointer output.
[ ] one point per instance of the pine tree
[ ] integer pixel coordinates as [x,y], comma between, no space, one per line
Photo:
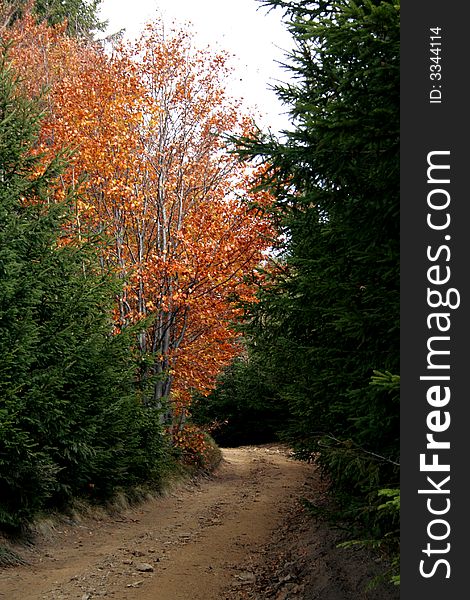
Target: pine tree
[81,15]
[329,316]
[70,421]
[25,235]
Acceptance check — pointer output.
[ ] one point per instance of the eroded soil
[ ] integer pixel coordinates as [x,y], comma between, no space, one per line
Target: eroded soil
[238,534]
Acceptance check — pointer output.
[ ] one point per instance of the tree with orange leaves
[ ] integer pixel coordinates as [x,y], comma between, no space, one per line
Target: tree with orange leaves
[202,240]
[147,123]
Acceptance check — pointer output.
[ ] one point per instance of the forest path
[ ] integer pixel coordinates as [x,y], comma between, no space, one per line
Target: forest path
[193,538]
[238,534]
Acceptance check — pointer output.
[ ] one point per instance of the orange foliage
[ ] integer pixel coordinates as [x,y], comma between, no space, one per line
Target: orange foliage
[192,442]
[147,126]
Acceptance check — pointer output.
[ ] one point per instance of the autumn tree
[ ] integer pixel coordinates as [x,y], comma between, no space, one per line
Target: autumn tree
[148,124]
[201,240]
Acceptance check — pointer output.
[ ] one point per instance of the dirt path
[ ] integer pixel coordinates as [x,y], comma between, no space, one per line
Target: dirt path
[209,540]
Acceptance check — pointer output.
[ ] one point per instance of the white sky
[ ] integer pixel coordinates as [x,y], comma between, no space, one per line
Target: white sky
[242,27]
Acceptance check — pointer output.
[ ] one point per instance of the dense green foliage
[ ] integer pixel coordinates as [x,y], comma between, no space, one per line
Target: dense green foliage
[81,15]
[327,320]
[70,421]
[241,409]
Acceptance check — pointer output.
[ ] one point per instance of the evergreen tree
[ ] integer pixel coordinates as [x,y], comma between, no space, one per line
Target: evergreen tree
[329,316]
[24,233]
[70,421]
[81,15]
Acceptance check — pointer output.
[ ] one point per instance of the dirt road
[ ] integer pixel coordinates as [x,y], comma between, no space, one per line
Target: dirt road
[206,540]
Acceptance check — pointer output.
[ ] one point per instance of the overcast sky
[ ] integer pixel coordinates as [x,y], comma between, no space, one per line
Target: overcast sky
[242,27]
